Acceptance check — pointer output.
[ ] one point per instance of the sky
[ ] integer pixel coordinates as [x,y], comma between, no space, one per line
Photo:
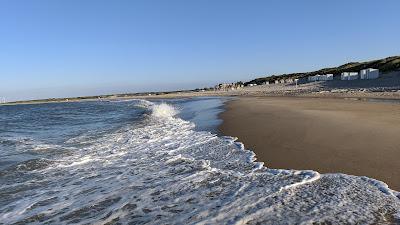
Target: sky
[82,47]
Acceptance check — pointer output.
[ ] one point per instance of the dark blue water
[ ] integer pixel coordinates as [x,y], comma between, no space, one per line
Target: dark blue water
[42,130]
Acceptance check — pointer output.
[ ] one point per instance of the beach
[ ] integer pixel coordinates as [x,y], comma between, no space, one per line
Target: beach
[322,134]
[161,162]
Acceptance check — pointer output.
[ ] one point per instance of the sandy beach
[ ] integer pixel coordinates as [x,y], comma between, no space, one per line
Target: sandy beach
[327,135]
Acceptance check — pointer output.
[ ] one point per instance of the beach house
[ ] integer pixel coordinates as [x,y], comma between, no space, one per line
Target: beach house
[349,76]
[329,76]
[369,73]
[321,77]
[289,81]
[344,76]
[312,78]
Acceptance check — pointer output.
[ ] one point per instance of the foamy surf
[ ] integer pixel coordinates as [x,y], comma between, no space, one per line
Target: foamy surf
[162,171]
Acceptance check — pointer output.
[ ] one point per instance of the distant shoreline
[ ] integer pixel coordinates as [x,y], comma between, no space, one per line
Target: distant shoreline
[381,97]
[386,87]
[384,96]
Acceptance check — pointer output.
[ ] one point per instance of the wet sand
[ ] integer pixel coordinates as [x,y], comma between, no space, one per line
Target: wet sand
[326,135]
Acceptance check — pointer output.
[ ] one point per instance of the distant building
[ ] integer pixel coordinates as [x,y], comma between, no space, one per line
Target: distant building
[266,83]
[369,73]
[296,81]
[329,76]
[320,77]
[289,81]
[282,81]
[344,76]
[349,76]
[229,86]
[302,80]
[276,81]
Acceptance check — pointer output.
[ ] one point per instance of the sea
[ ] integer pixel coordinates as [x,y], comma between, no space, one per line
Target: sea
[162,162]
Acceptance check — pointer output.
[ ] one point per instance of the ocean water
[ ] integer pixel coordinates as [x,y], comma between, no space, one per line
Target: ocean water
[161,162]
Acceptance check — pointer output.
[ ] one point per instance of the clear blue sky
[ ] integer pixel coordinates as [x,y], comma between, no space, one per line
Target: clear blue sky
[80,47]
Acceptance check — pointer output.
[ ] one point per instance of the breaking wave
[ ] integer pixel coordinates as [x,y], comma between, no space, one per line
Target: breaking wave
[162,171]
[163,110]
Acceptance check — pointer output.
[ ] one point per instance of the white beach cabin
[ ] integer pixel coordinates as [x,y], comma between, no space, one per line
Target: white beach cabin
[321,77]
[349,76]
[369,73]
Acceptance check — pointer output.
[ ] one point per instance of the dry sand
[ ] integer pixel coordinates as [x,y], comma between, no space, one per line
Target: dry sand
[326,135]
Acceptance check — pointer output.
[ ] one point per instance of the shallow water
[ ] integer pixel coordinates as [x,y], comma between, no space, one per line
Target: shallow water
[161,162]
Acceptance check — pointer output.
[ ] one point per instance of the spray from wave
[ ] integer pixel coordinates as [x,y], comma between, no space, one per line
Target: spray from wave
[165,172]
[163,110]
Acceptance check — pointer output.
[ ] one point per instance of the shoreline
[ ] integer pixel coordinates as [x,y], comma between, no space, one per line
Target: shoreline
[328,135]
[379,96]
[386,87]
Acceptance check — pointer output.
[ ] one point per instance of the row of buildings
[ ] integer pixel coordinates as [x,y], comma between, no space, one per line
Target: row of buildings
[321,77]
[229,86]
[349,76]
[365,74]
[282,81]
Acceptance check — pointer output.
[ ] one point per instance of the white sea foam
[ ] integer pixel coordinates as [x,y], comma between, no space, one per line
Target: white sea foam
[164,172]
